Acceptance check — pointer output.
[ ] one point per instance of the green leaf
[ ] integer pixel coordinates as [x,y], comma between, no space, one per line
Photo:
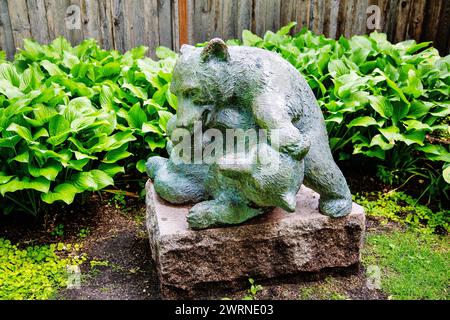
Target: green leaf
[446,174]
[286,29]
[171,99]
[9,90]
[21,131]
[150,127]
[59,129]
[39,184]
[250,39]
[164,117]
[155,144]
[65,192]
[136,91]
[382,106]
[70,60]
[394,86]
[363,122]
[136,116]
[164,53]
[435,152]
[414,85]
[111,169]
[78,165]
[22,158]
[418,109]
[117,155]
[392,134]
[52,68]
[416,125]
[379,140]
[9,73]
[102,179]
[92,181]
[415,137]
[141,166]
[49,172]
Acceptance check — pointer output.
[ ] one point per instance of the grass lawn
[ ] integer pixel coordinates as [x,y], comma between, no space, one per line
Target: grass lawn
[413,265]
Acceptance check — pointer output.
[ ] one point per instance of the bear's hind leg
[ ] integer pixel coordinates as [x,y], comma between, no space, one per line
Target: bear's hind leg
[177,184]
[324,176]
[216,213]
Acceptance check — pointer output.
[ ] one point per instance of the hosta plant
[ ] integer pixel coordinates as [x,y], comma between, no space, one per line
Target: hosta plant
[71,118]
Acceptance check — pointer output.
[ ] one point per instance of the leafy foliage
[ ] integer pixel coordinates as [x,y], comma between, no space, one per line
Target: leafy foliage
[413,266]
[399,207]
[380,100]
[34,273]
[71,118]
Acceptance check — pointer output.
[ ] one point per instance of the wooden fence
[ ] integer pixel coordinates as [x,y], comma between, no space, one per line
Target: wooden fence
[123,24]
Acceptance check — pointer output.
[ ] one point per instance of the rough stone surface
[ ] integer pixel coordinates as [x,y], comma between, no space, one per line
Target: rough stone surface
[277,244]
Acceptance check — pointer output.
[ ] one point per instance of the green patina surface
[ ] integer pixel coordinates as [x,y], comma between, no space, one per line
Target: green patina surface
[246,88]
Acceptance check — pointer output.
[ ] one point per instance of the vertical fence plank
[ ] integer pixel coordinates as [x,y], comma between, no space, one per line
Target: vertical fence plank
[229,15]
[165,23]
[360,24]
[183,21]
[244,16]
[391,20]
[106,24]
[56,12]
[38,20]
[117,9]
[288,11]
[6,34]
[91,19]
[384,8]
[333,22]
[416,19]
[442,38]
[207,21]
[431,23]
[139,29]
[273,11]
[175,26]
[317,16]
[352,17]
[20,23]
[259,25]
[342,28]
[74,22]
[403,16]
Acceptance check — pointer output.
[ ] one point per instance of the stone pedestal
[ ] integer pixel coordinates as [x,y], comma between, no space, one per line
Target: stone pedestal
[277,244]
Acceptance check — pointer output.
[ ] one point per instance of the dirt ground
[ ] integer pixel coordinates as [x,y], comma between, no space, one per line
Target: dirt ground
[119,264]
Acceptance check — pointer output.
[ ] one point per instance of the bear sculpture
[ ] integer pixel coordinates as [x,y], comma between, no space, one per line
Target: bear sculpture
[221,88]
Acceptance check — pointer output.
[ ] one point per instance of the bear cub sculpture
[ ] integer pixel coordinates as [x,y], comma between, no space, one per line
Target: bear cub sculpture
[245,88]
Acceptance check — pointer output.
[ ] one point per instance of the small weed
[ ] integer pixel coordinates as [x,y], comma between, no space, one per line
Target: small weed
[321,291]
[99,263]
[84,232]
[58,231]
[253,291]
[36,272]
[119,201]
[399,207]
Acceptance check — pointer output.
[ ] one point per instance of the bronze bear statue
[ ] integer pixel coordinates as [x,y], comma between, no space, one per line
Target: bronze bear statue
[244,88]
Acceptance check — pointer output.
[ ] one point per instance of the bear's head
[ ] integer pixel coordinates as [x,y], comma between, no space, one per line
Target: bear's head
[200,83]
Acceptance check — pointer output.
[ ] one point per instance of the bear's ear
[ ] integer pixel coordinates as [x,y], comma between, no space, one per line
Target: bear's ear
[215,49]
[185,48]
